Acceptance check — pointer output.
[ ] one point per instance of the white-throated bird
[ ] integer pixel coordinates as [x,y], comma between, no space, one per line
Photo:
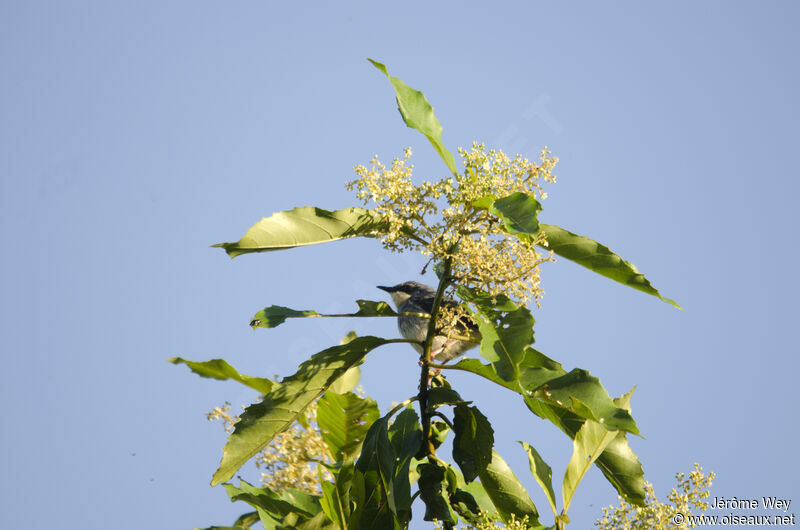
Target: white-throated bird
[415,297]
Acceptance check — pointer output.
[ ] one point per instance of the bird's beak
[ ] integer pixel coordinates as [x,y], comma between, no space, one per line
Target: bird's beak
[384,288]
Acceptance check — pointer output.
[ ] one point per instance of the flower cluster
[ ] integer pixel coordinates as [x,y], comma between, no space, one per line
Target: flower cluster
[293,457]
[689,496]
[448,219]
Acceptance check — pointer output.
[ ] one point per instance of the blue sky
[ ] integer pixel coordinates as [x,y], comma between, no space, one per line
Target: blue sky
[134,136]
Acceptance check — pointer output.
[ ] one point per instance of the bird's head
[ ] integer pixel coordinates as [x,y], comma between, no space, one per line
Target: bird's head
[403,291]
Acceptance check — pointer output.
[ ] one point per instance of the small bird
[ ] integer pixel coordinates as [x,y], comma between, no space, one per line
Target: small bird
[414,297]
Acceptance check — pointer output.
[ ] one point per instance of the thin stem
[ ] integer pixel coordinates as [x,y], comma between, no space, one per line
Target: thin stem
[444,418]
[425,414]
[448,367]
[402,405]
[414,497]
[356,315]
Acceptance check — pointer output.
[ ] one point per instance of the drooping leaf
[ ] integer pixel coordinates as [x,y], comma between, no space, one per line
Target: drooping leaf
[370,308]
[543,475]
[589,443]
[465,505]
[343,421]
[583,394]
[292,505]
[331,505]
[473,442]
[347,382]
[598,258]
[371,508]
[246,520]
[477,491]
[260,422]
[439,432]
[578,391]
[306,225]
[405,435]
[350,379]
[507,492]
[618,462]
[433,492]
[623,470]
[506,331]
[505,335]
[418,114]
[220,369]
[535,369]
[440,396]
[378,454]
[275,315]
[318,522]
[335,499]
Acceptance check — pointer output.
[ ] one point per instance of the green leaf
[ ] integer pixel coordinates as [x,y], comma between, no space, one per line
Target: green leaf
[343,422]
[369,308]
[433,492]
[318,522]
[473,442]
[294,503]
[590,442]
[220,369]
[439,432]
[518,211]
[330,504]
[306,225]
[221,527]
[583,394]
[370,509]
[347,382]
[246,520]
[440,396]
[260,422]
[623,470]
[618,462]
[350,379]
[507,492]
[543,475]
[504,338]
[377,454]
[371,506]
[275,315]
[598,258]
[418,114]
[466,506]
[535,368]
[335,499]
[506,330]
[405,435]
